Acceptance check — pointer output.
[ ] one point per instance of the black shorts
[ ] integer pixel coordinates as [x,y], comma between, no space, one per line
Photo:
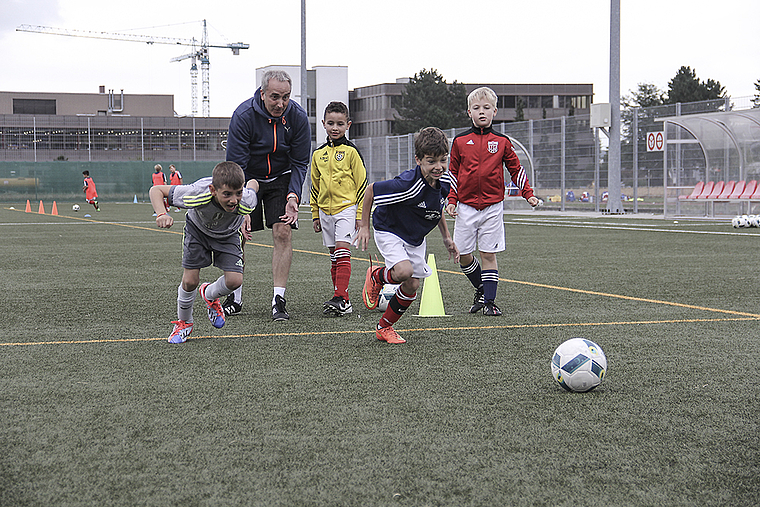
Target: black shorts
[273,196]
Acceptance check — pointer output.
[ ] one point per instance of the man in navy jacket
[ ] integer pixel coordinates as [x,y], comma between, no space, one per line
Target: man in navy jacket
[269,137]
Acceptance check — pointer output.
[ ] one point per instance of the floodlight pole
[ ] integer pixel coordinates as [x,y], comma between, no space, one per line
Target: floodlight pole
[614,202]
[304,80]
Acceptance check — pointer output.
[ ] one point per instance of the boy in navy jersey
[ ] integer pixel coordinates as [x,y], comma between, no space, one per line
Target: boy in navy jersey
[408,207]
[478,158]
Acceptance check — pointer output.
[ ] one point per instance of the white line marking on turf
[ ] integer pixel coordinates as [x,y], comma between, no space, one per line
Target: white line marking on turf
[629,228]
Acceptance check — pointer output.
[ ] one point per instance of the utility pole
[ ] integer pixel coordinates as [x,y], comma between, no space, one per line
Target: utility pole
[304,81]
[614,202]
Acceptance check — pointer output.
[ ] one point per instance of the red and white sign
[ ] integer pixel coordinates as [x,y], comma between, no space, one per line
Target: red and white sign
[655,141]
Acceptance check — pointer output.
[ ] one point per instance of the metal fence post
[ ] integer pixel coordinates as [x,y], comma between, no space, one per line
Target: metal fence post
[635,139]
[562,161]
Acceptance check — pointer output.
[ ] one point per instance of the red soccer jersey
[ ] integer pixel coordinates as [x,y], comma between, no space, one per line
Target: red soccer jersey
[478,158]
[90,191]
[158,179]
[175,178]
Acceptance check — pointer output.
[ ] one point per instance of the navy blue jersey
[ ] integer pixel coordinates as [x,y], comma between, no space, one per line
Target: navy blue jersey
[408,206]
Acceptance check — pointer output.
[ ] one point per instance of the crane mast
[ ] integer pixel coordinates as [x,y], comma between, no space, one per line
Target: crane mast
[198,52]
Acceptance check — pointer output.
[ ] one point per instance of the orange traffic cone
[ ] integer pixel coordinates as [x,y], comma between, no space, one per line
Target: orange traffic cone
[42,209]
[28,206]
[55,209]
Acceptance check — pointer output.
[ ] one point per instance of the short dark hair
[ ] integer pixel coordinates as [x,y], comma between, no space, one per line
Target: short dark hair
[337,107]
[86,173]
[430,141]
[227,173]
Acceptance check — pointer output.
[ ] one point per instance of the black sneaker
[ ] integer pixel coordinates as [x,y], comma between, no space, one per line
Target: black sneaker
[478,302]
[278,310]
[337,306]
[230,307]
[491,309]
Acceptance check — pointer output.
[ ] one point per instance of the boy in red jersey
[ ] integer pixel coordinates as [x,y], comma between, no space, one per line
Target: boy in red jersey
[478,158]
[159,179]
[90,192]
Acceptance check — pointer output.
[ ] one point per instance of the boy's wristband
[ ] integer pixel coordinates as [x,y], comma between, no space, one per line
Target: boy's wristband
[162,214]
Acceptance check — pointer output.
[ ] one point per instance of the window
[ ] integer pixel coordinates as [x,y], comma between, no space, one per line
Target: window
[507,102]
[33,106]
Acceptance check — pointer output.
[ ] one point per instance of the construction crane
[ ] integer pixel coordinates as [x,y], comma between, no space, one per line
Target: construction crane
[199,52]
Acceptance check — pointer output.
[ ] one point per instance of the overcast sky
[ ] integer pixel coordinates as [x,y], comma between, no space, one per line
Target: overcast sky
[489,41]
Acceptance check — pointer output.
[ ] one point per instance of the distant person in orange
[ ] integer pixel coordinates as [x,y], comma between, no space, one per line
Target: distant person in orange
[175,178]
[90,192]
[160,179]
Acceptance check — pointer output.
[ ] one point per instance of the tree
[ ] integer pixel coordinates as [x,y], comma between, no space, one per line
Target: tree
[427,100]
[520,109]
[756,100]
[686,87]
[646,95]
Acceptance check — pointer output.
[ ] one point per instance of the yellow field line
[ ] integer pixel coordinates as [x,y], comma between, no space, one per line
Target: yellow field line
[414,330]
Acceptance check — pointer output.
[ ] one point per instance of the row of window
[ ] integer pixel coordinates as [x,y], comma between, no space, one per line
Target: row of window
[15,138]
[504,102]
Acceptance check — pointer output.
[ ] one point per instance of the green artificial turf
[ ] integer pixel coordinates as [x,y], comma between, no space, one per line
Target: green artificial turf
[98,409]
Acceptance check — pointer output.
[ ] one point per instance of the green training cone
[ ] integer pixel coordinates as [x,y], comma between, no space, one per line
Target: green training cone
[432,302]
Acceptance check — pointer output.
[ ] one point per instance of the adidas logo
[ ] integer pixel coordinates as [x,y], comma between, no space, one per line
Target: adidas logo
[239,263]
[422,205]
[470,142]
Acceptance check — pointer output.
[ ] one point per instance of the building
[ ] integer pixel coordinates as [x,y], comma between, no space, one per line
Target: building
[374,108]
[87,104]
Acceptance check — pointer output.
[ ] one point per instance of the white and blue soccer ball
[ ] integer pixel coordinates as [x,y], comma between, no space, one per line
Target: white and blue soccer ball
[75,207]
[579,365]
[386,293]
[735,222]
[744,221]
[754,220]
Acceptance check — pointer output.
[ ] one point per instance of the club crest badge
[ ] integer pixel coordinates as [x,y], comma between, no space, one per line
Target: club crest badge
[339,155]
[493,146]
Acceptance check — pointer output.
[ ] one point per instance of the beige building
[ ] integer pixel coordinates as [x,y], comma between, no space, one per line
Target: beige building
[103,103]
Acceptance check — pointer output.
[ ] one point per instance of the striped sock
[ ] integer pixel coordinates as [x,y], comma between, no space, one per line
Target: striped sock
[490,283]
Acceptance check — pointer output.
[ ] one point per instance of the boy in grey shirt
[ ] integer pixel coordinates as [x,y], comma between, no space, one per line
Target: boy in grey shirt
[218,207]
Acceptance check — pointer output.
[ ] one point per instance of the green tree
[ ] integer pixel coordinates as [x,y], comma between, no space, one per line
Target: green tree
[646,95]
[520,109]
[687,87]
[756,100]
[427,100]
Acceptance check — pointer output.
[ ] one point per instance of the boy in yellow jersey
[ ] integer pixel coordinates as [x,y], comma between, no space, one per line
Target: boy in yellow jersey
[338,182]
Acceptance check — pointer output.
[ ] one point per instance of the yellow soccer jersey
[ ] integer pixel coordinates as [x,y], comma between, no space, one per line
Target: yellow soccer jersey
[338,178]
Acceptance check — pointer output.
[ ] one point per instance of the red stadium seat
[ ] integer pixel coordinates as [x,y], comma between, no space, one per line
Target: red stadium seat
[694,193]
[738,189]
[706,191]
[727,189]
[749,189]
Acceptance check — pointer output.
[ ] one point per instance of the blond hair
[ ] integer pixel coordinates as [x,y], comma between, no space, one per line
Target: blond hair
[483,92]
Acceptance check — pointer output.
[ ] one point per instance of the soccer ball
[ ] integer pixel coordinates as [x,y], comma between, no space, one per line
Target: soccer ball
[387,292]
[754,220]
[579,365]
[75,207]
[744,221]
[735,222]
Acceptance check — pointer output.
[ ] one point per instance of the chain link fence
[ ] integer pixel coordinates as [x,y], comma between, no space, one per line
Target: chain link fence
[565,158]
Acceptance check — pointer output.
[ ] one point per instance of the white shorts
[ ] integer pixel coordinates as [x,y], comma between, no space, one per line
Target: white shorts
[338,227]
[395,250]
[483,229]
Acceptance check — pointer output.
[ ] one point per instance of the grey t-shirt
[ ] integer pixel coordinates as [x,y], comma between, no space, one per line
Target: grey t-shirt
[206,214]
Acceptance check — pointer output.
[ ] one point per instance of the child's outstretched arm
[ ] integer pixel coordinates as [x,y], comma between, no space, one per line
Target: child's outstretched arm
[447,241]
[362,238]
[157,194]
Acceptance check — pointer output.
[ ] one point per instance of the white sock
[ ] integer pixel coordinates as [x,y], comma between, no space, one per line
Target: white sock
[217,289]
[238,294]
[278,291]
[185,301]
